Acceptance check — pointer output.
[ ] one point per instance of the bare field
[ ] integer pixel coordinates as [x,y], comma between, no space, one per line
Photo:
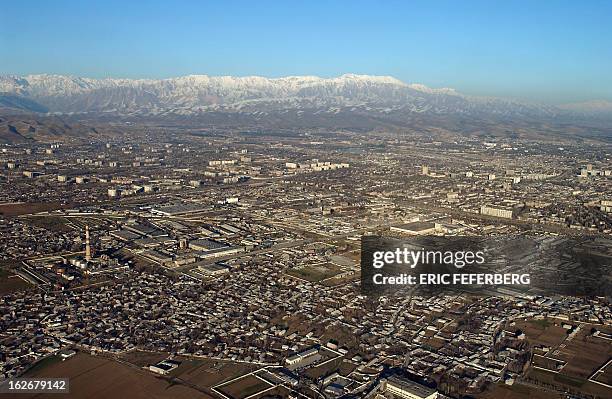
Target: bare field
[517,391]
[605,376]
[187,365]
[244,387]
[26,208]
[98,378]
[583,353]
[10,282]
[51,223]
[201,372]
[207,373]
[543,332]
[278,392]
[567,383]
[316,273]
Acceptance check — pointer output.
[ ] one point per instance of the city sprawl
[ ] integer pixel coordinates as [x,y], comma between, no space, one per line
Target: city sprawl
[228,262]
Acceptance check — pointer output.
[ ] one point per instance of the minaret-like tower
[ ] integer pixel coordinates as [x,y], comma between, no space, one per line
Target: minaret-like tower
[87,245]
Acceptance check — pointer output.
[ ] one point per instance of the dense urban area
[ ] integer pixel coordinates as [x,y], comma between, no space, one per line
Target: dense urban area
[226,264]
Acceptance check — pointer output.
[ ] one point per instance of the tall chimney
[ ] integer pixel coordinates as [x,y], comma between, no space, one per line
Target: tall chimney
[87,245]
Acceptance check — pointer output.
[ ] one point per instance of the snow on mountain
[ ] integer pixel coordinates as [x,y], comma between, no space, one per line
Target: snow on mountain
[590,107]
[195,94]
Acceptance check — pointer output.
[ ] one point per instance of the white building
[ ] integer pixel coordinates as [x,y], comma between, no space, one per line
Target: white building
[415,228]
[406,389]
[498,211]
[298,357]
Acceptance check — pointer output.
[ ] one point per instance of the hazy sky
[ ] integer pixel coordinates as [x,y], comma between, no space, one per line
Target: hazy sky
[553,51]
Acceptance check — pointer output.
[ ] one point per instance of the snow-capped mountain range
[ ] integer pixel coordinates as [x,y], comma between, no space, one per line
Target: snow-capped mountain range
[199,94]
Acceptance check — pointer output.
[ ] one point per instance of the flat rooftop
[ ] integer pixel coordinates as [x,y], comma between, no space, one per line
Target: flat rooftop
[415,226]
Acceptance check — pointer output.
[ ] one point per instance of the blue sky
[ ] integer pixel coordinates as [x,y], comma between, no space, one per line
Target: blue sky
[552,51]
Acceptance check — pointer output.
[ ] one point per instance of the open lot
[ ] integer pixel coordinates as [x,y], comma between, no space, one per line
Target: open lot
[584,353]
[315,273]
[573,357]
[25,208]
[244,387]
[605,374]
[200,372]
[207,373]
[98,378]
[543,332]
[52,223]
[567,383]
[10,282]
[278,392]
[517,391]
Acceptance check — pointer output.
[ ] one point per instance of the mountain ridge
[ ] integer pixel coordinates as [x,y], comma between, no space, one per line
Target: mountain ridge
[198,94]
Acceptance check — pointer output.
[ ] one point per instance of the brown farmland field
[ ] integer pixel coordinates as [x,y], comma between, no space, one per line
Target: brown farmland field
[99,378]
[244,387]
